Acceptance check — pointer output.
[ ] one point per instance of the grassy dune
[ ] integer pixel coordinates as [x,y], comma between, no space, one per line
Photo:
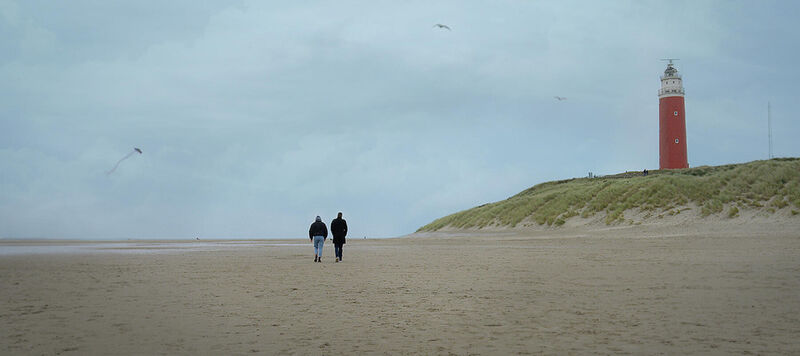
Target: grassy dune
[719,190]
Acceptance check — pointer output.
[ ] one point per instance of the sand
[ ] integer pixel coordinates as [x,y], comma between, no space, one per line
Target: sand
[624,291]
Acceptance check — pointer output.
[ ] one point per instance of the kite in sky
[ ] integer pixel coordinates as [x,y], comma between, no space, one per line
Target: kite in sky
[135,150]
[442,26]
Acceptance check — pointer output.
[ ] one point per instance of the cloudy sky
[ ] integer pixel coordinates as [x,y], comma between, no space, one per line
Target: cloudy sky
[256,116]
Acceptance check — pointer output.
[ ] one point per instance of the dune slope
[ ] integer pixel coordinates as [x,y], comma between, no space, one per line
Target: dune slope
[768,189]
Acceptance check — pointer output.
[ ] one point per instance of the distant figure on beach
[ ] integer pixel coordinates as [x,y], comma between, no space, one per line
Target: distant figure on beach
[339,231]
[644,173]
[317,233]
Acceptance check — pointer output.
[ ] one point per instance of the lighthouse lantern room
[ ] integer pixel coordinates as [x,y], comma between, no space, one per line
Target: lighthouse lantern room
[672,121]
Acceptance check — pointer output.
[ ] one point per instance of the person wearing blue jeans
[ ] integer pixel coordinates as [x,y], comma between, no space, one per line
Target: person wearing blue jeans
[317,233]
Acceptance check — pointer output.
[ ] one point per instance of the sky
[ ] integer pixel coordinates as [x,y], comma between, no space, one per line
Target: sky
[256,116]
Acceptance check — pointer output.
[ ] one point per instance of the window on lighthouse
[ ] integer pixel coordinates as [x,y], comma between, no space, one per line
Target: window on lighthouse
[675,113]
[676,140]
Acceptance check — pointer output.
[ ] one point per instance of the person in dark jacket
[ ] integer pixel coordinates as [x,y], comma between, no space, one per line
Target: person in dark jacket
[339,231]
[317,233]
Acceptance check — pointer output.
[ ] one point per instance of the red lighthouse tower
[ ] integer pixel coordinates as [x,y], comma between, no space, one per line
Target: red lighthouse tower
[672,121]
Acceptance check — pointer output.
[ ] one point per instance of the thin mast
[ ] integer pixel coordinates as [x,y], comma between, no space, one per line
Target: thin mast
[769,128]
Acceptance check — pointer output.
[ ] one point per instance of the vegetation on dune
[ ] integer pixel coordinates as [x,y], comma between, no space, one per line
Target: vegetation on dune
[770,185]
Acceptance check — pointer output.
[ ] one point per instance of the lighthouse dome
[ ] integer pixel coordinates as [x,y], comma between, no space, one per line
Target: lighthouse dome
[670,71]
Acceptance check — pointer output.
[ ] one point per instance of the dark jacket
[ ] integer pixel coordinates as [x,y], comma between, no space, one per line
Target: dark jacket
[318,228]
[339,230]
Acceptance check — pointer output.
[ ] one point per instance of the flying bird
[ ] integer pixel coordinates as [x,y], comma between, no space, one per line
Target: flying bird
[560,98]
[442,26]
[138,150]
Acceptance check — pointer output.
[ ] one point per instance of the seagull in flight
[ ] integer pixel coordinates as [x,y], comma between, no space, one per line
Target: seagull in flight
[442,26]
[560,98]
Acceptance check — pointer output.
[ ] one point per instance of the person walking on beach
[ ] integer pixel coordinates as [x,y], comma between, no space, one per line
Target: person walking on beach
[317,233]
[339,231]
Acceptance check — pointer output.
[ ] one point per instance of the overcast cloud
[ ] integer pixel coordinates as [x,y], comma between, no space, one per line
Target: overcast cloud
[255,116]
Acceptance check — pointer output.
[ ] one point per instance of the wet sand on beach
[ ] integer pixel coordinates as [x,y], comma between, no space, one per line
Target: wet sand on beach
[612,294]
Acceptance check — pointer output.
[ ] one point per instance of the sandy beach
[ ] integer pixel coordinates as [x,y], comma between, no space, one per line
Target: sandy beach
[618,292]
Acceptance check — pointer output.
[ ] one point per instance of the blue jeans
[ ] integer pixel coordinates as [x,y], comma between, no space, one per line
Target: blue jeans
[337,250]
[318,242]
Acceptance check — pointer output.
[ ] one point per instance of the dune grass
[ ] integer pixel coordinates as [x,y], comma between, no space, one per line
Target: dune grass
[771,184]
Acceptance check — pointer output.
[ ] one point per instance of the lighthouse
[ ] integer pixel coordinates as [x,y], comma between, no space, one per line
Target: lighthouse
[671,121]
